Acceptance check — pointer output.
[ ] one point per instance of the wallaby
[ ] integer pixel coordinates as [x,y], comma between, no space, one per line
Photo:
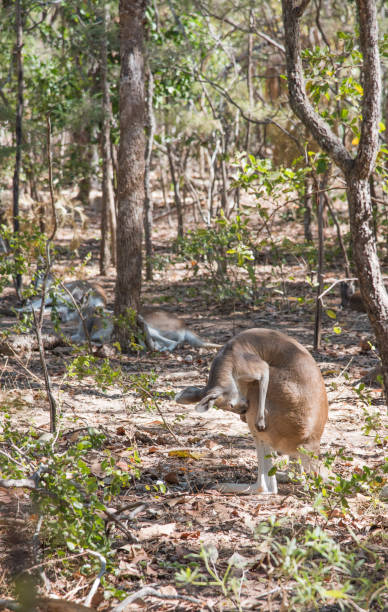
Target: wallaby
[350,298]
[165,331]
[275,384]
[86,294]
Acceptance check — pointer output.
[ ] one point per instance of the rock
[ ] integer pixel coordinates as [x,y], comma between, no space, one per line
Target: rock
[384,493]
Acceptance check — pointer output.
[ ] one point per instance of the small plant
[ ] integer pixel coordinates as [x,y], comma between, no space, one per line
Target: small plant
[222,249]
[229,584]
[70,498]
[373,421]
[25,247]
[318,570]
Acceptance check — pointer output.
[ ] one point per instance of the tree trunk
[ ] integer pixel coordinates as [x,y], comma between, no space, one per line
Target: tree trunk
[107,170]
[176,186]
[307,210]
[130,180]
[320,202]
[148,207]
[249,77]
[18,133]
[356,170]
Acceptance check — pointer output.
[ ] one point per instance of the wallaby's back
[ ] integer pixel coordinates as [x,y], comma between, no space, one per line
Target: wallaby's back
[296,403]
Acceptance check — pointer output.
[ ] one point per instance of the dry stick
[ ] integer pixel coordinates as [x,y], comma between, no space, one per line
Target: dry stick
[339,235]
[177,197]
[159,411]
[19,483]
[38,322]
[340,280]
[37,554]
[34,376]
[97,581]
[47,381]
[11,459]
[79,312]
[174,211]
[196,199]
[131,537]
[318,311]
[151,592]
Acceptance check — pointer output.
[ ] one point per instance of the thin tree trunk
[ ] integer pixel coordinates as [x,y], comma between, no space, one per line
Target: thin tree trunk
[107,205]
[307,210]
[164,192]
[356,170]
[212,177]
[249,78]
[226,202]
[18,133]
[148,206]
[177,197]
[339,236]
[130,180]
[319,190]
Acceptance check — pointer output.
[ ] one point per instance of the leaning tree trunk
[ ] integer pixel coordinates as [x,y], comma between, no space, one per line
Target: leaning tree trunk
[130,180]
[356,170]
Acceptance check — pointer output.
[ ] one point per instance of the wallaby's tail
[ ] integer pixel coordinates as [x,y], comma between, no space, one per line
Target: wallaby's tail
[197,342]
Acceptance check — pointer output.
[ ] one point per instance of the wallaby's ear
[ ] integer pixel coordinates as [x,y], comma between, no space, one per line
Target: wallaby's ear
[200,396]
[190,395]
[208,400]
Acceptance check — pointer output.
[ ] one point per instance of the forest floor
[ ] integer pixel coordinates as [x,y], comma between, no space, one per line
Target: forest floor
[181,513]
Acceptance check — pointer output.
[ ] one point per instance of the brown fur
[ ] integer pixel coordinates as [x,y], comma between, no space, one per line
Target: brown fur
[162,320]
[296,406]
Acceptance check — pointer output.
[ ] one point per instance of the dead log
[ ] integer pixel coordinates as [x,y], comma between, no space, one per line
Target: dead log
[22,343]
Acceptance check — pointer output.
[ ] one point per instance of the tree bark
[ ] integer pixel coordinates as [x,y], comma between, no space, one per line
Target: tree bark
[107,169]
[307,210]
[18,132]
[148,206]
[130,180]
[176,186]
[356,170]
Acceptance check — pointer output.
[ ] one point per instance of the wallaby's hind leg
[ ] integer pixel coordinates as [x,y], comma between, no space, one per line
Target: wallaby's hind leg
[264,483]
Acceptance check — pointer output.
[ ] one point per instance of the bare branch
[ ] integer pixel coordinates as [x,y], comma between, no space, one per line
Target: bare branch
[368,146]
[299,101]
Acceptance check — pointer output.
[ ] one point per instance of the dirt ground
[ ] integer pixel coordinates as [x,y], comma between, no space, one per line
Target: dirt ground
[215,447]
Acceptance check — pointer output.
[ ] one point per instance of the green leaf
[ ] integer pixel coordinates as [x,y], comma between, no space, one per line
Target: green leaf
[335,594]
[331,314]
[337,330]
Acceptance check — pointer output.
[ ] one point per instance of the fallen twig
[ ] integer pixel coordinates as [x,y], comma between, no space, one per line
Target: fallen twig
[112,515]
[20,483]
[151,592]
[97,581]
[150,395]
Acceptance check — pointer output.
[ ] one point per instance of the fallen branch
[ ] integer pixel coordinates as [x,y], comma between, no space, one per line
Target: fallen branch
[28,342]
[97,581]
[20,483]
[151,592]
[131,538]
